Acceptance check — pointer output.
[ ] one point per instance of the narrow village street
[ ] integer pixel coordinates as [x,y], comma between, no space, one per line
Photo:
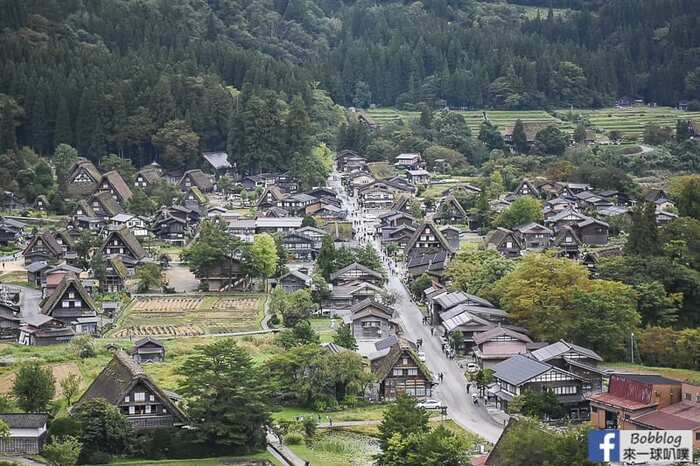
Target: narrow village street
[452,391]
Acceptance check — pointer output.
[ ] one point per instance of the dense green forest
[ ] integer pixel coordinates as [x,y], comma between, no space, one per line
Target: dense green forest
[135,77]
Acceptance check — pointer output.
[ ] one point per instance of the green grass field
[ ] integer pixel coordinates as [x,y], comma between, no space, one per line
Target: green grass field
[630,121]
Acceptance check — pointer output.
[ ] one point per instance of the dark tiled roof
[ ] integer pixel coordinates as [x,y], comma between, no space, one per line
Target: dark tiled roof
[519,369]
[561,347]
[147,339]
[497,332]
[218,160]
[24,421]
[653,379]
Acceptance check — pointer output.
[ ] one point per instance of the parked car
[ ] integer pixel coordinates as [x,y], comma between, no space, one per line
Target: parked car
[430,404]
[472,367]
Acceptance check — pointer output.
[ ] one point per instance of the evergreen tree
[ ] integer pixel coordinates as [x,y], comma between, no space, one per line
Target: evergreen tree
[519,138]
[325,263]
[643,236]
[344,337]
[63,131]
[33,387]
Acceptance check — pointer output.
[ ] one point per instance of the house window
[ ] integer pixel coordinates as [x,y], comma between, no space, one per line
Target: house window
[152,398]
[126,399]
[405,361]
[148,409]
[688,397]
[71,295]
[509,244]
[65,303]
[398,372]
[413,371]
[697,436]
[132,410]
[139,396]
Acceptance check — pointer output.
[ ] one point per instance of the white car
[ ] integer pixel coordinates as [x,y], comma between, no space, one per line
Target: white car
[430,404]
[421,356]
[472,367]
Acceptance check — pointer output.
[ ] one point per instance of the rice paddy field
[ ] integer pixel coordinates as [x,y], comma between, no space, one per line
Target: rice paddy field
[190,315]
[630,121]
[500,118]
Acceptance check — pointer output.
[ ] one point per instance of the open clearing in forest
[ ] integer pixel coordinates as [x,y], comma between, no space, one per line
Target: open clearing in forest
[179,316]
[60,372]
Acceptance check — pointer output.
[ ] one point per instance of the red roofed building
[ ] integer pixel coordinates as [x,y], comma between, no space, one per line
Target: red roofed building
[630,396]
[679,416]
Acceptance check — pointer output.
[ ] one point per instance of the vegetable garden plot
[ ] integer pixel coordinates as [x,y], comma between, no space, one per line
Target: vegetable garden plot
[177,316]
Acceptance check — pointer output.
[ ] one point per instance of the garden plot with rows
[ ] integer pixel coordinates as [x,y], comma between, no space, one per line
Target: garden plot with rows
[182,316]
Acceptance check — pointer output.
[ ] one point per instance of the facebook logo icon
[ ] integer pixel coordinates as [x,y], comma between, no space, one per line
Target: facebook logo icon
[604,445]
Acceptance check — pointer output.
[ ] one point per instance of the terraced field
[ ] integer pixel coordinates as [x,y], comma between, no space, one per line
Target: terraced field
[177,316]
[500,118]
[631,121]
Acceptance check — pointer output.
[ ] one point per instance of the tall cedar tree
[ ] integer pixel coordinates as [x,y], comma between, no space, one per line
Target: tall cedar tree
[519,137]
[643,239]
[227,397]
[402,417]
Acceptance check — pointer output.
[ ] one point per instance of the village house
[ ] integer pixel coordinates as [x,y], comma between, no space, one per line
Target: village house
[242,229]
[348,294]
[218,161]
[124,245]
[83,179]
[397,238]
[137,225]
[630,396]
[272,196]
[148,349]
[147,177]
[300,247]
[43,248]
[294,280]
[684,415]
[663,217]
[198,179]
[593,232]
[113,183]
[445,300]
[498,344]
[526,188]
[428,240]
[170,228]
[401,371]
[575,359]
[504,241]
[51,277]
[10,321]
[531,129]
[433,264]
[358,180]
[26,436]
[659,198]
[450,211]
[277,225]
[370,320]
[533,236]
[104,206]
[124,384]
[70,302]
[41,203]
[224,276]
[115,276]
[42,330]
[408,161]
[194,199]
[418,177]
[520,373]
[568,243]
[11,230]
[355,272]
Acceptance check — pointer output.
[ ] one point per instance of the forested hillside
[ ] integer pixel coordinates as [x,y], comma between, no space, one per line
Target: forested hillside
[132,76]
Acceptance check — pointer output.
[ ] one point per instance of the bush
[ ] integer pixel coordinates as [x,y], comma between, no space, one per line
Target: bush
[64,426]
[95,457]
[293,438]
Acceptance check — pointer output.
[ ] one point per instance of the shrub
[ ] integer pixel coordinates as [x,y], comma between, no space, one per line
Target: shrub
[64,426]
[293,438]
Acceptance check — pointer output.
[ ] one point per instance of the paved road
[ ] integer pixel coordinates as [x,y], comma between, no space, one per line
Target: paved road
[30,301]
[452,391]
